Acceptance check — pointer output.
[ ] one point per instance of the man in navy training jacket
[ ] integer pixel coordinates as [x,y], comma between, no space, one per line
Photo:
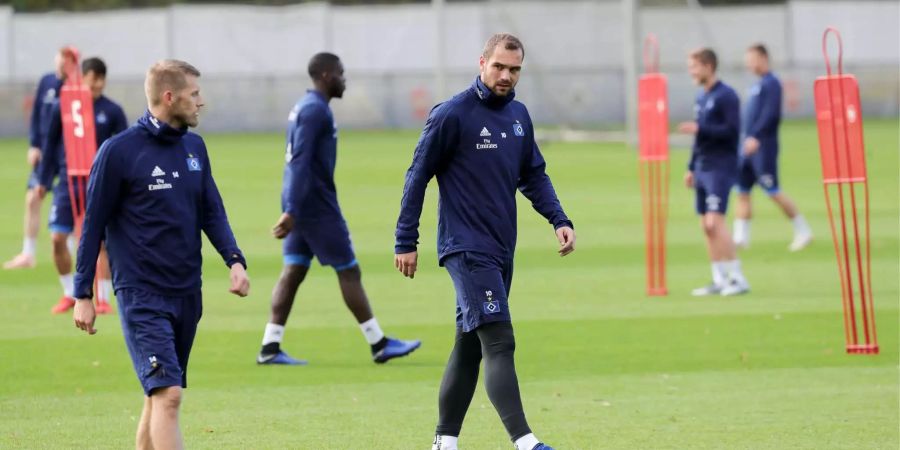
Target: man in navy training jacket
[480,145]
[713,170]
[150,194]
[109,120]
[46,93]
[759,162]
[311,222]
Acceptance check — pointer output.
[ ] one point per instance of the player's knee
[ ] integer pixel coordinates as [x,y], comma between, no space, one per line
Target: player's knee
[709,227]
[350,274]
[32,199]
[167,398]
[59,242]
[294,273]
[497,339]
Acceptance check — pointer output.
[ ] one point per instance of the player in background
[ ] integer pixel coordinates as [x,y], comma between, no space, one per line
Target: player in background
[312,224]
[47,92]
[109,119]
[759,162]
[480,146]
[151,193]
[713,170]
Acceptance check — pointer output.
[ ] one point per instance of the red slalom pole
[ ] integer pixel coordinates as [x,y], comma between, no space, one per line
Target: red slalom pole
[76,105]
[653,165]
[842,152]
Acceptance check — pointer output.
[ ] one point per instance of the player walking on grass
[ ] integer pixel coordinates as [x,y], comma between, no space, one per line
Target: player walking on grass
[151,192]
[480,145]
[312,224]
[109,119]
[47,93]
[713,170]
[759,162]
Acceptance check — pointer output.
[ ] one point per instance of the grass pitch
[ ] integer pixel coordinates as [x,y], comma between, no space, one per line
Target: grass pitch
[600,364]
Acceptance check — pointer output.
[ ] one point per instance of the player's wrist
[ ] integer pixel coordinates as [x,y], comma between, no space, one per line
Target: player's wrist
[400,249]
[236,259]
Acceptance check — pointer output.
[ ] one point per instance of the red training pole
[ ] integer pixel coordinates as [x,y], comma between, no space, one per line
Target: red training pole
[653,165]
[842,152]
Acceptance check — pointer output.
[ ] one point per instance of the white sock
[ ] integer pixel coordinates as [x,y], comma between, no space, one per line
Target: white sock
[274,333]
[733,270]
[742,230]
[68,284]
[800,225]
[442,442]
[527,442]
[104,291]
[372,331]
[719,273]
[29,246]
[72,244]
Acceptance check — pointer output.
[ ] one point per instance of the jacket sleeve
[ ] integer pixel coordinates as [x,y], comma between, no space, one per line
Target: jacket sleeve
[300,152]
[34,130]
[103,196]
[439,137]
[53,144]
[767,120]
[731,123]
[215,221]
[535,185]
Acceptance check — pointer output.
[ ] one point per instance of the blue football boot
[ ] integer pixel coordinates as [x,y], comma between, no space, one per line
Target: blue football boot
[395,348]
[281,358]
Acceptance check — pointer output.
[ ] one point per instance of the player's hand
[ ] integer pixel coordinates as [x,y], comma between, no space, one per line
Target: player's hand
[284,226]
[84,315]
[240,282]
[689,179]
[40,190]
[566,236]
[34,156]
[751,145]
[406,263]
[688,127]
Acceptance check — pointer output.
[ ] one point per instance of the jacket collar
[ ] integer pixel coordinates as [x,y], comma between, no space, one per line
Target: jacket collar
[488,97]
[161,130]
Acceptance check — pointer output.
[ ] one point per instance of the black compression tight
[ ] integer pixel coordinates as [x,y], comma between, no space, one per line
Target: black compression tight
[496,344]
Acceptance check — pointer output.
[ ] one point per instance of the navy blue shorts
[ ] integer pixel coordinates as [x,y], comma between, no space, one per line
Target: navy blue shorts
[761,168]
[482,285]
[159,332]
[329,241]
[60,218]
[712,189]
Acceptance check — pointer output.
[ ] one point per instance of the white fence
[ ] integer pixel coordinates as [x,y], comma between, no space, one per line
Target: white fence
[254,58]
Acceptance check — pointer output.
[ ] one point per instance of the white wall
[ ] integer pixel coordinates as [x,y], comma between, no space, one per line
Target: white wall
[254,59]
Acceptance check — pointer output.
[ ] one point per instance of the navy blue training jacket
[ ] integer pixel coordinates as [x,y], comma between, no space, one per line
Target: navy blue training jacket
[481,148]
[150,193]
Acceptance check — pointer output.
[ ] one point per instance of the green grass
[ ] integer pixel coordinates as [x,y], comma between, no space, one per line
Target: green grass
[600,364]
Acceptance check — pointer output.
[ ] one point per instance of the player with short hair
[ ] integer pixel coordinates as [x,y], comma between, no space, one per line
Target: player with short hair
[312,224]
[151,193]
[480,145]
[109,120]
[759,156]
[713,170]
[47,92]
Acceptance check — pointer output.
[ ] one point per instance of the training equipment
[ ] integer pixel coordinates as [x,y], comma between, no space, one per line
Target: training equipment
[839,120]
[76,104]
[653,165]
